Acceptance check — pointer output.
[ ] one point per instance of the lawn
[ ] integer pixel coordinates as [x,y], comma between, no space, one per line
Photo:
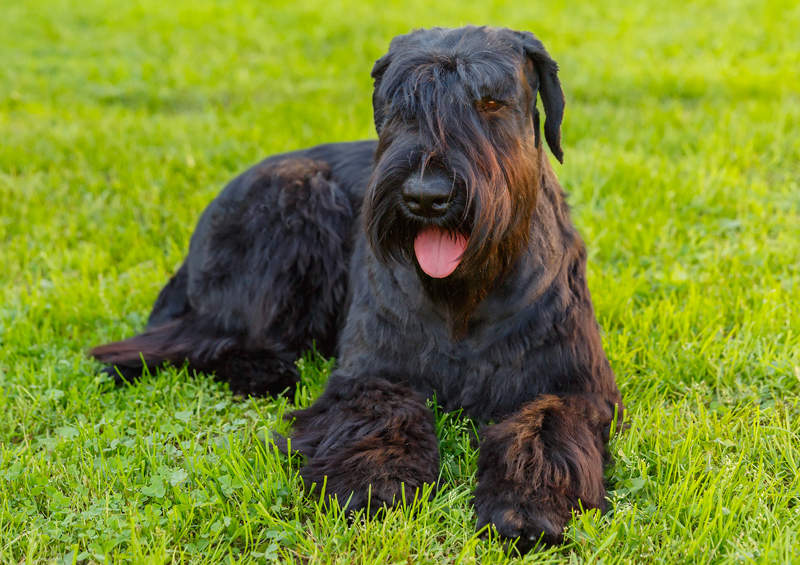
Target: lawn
[118,123]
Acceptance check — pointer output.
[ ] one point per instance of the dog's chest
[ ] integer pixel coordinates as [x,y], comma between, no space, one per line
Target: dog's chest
[393,332]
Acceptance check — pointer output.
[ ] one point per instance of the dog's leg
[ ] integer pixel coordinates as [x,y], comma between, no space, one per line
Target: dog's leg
[540,463]
[371,442]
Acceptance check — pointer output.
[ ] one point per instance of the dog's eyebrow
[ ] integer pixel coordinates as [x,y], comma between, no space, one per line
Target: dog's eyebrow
[483,79]
[504,95]
[494,94]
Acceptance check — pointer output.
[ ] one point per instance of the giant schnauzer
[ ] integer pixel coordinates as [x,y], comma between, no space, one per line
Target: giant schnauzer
[438,262]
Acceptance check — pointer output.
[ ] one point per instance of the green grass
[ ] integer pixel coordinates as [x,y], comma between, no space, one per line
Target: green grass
[118,123]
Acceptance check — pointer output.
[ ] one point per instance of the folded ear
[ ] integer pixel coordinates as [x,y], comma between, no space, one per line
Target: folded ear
[549,91]
[377,103]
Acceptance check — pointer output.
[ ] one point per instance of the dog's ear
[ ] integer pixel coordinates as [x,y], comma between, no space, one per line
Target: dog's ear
[377,102]
[549,91]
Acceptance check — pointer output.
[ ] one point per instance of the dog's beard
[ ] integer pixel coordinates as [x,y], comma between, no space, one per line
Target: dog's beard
[455,273]
[458,257]
[436,248]
[476,244]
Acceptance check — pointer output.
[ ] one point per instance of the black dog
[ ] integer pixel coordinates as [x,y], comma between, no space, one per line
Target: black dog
[438,262]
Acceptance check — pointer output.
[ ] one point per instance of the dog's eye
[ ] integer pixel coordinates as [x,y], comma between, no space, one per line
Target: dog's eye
[489,105]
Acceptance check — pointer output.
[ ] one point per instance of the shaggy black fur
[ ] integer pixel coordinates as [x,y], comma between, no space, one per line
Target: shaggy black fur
[319,245]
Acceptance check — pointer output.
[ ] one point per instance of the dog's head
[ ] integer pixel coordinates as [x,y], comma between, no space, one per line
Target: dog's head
[457,167]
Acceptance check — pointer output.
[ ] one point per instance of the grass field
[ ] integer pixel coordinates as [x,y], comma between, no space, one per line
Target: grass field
[118,123]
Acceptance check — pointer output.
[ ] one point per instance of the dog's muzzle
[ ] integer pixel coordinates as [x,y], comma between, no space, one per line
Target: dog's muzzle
[429,199]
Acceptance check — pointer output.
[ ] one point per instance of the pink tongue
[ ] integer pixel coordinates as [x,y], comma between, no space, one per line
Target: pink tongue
[439,251]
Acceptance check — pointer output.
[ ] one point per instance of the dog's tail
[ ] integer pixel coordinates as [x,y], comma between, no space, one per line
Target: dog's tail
[175,341]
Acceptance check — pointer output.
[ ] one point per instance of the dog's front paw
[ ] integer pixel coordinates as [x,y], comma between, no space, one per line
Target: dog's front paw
[521,521]
[372,443]
[371,474]
[536,467]
[364,493]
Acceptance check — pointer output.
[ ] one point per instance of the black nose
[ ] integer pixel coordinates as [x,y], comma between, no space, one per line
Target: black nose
[427,196]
